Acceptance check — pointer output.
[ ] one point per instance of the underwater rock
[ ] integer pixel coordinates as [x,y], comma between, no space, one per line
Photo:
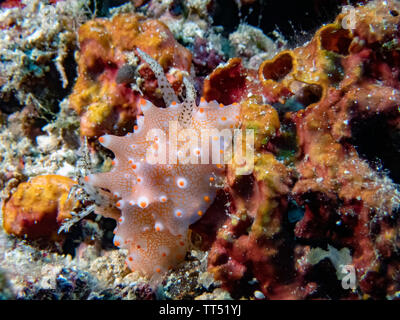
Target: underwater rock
[249,42]
[38,207]
[251,238]
[102,96]
[5,288]
[328,91]
[347,197]
[205,59]
[36,52]
[227,83]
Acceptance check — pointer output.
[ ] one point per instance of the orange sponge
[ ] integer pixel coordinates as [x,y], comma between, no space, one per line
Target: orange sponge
[38,207]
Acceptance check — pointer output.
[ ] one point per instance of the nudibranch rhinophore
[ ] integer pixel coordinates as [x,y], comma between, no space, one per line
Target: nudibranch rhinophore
[160,199]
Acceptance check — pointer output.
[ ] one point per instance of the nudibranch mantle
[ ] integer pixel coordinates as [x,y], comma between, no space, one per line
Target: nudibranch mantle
[159,201]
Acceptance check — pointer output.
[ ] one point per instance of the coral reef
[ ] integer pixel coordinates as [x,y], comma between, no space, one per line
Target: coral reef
[252,45]
[333,191]
[227,83]
[311,213]
[103,95]
[253,237]
[52,152]
[5,291]
[37,53]
[29,272]
[38,207]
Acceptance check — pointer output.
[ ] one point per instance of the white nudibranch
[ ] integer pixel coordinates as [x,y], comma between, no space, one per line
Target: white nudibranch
[159,201]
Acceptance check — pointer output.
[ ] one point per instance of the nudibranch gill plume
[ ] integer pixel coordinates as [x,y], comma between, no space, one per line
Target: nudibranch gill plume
[158,201]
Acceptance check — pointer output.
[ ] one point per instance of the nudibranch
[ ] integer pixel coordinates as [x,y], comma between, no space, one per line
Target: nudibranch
[158,201]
